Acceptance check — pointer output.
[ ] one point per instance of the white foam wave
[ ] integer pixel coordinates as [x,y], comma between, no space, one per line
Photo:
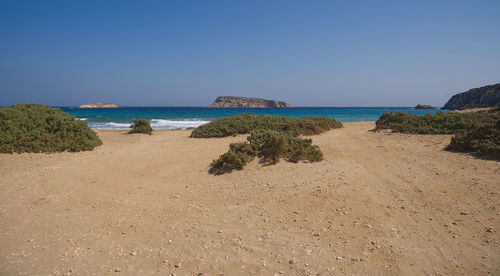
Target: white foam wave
[169,124]
[109,125]
[155,124]
[82,119]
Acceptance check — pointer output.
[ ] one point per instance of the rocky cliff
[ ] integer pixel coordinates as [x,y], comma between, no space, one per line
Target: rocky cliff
[486,96]
[244,102]
[98,105]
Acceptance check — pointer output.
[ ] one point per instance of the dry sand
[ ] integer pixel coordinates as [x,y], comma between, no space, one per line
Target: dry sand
[380,204]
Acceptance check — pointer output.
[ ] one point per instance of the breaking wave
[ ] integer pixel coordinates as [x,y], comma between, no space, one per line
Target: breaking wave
[169,124]
[155,124]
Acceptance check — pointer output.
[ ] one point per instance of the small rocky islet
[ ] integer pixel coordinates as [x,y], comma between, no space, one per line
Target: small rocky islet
[98,105]
[424,106]
[246,102]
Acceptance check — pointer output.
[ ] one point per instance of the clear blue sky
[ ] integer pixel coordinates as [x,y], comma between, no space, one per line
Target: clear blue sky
[186,53]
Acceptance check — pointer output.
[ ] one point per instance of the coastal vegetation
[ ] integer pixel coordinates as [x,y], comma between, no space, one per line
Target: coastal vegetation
[475,132]
[439,123]
[245,123]
[274,145]
[39,128]
[271,146]
[481,137]
[236,158]
[271,137]
[141,126]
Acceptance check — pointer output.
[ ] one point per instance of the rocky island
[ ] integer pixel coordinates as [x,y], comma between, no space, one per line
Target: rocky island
[486,96]
[424,106]
[98,105]
[244,102]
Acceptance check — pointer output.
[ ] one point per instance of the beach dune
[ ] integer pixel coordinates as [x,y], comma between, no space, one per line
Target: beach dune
[380,203]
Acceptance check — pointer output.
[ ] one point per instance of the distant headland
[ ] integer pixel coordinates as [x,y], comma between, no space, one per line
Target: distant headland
[245,102]
[98,105]
[486,96]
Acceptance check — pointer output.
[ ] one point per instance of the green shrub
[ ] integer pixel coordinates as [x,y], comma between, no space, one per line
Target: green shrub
[439,123]
[242,147]
[323,123]
[271,145]
[141,126]
[481,137]
[236,158]
[302,149]
[476,132]
[39,128]
[245,123]
[271,137]
[274,145]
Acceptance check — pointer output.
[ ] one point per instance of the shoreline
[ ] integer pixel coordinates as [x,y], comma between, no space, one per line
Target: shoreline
[175,118]
[190,129]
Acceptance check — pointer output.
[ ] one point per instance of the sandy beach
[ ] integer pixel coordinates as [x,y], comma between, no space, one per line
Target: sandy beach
[379,204]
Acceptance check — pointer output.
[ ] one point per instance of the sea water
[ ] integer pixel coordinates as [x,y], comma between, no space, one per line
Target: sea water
[191,117]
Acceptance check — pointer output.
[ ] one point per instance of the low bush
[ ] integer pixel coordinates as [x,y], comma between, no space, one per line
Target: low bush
[439,123]
[39,128]
[274,145]
[243,148]
[141,126]
[271,137]
[245,123]
[475,132]
[481,137]
[323,123]
[271,145]
[236,158]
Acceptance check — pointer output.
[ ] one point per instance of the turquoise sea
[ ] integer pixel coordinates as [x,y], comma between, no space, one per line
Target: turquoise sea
[189,117]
